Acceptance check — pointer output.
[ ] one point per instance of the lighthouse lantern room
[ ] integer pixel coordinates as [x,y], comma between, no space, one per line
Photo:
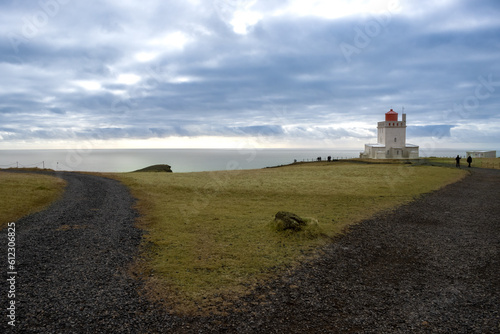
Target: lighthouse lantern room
[391,140]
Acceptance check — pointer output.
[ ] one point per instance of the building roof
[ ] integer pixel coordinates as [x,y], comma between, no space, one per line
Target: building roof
[479,151]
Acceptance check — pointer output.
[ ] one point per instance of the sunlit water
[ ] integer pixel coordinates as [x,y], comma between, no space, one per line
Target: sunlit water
[181,160]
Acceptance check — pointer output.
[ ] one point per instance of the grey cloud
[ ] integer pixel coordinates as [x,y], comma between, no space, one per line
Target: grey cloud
[287,71]
[438,131]
[260,130]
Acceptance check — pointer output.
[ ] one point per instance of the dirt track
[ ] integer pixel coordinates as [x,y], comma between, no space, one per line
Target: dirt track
[429,267]
[72,260]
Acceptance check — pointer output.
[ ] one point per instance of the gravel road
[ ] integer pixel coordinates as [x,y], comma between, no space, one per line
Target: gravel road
[428,267]
[72,263]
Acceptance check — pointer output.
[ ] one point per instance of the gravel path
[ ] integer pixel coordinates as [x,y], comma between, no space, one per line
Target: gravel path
[72,260]
[428,267]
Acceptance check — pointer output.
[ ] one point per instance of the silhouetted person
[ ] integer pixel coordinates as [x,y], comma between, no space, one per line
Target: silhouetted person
[329,158]
[469,160]
[457,159]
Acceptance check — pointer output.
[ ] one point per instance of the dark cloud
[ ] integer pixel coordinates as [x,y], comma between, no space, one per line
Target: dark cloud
[129,70]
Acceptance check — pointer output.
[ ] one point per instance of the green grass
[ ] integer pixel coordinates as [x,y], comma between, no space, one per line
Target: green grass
[210,234]
[23,194]
[493,163]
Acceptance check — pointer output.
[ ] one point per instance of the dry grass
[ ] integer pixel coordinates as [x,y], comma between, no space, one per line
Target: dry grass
[210,233]
[23,194]
[493,163]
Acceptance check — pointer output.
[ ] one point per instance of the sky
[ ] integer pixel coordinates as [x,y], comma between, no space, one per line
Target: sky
[247,73]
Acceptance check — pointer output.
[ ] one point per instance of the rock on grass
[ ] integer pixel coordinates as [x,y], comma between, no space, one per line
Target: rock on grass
[285,220]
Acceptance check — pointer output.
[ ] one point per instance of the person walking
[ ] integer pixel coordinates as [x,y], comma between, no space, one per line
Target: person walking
[457,159]
[469,160]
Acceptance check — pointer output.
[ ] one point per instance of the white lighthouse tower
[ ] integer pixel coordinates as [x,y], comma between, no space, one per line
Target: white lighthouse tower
[391,140]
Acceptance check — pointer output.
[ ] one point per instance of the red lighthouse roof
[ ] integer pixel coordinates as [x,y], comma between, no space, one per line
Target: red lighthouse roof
[391,116]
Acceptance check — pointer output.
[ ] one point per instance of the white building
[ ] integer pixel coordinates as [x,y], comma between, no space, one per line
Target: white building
[391,140]
[482,154]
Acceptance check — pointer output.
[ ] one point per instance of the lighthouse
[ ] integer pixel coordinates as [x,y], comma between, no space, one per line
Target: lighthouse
[391,140]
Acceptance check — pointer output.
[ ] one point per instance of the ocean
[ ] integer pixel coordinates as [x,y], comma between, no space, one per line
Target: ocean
[181,160]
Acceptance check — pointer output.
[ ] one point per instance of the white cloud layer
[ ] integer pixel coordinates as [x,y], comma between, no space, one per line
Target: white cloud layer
[293,72]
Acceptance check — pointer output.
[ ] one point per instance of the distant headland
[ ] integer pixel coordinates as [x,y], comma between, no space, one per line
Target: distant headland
[155,168]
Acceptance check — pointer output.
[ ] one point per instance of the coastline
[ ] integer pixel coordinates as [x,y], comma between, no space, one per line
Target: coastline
[181,160]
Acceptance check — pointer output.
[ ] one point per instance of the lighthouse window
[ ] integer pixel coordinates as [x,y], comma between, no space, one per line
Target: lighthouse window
[395,139]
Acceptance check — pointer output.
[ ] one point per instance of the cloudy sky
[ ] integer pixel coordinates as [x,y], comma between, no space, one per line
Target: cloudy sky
[237,73]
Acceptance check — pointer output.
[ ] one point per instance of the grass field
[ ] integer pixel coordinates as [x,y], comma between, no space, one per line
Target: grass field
[210,234]
[493,163]
[22,194]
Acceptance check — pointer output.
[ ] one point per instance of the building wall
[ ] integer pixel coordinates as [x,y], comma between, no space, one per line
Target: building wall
[413,153]
[391,142]
[373,152]
[482,154]
[392,134]
[382,152]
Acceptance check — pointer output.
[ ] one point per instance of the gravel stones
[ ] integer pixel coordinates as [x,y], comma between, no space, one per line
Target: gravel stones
[431,266]
[72,262]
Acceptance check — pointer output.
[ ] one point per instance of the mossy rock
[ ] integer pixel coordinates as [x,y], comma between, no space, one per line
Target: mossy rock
[285,220]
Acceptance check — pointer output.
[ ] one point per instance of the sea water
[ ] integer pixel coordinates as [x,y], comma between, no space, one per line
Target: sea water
[181,160]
